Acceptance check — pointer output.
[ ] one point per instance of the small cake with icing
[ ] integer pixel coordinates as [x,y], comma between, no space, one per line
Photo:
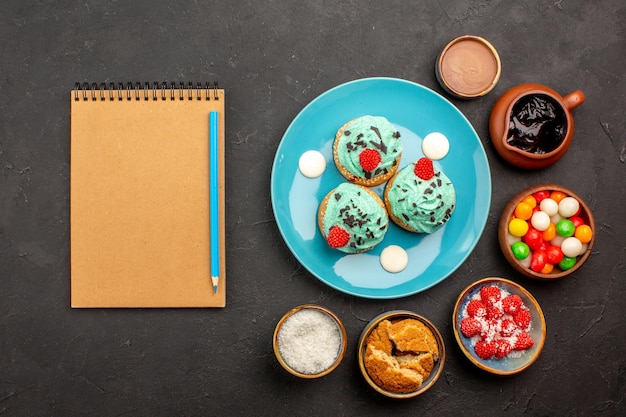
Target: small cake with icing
[367,150]
[420,197]
[352,218]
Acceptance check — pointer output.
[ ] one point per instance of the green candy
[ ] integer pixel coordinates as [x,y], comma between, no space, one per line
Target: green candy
[567,263]
[520,250]
[565,228]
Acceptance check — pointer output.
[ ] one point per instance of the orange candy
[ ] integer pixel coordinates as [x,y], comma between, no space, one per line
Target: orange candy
[583,233]
[530,200]
[549,233]
[547,269]
[524,210]
[557,196]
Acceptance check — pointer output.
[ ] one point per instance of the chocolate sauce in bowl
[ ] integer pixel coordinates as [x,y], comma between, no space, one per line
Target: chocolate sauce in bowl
[537,124]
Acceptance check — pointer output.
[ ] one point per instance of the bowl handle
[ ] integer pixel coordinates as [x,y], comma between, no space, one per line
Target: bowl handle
[573,99]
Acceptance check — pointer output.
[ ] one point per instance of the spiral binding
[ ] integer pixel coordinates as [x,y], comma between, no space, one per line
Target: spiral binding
[144,90]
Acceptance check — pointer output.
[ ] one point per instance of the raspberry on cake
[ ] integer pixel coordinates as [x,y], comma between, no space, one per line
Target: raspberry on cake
[367,150]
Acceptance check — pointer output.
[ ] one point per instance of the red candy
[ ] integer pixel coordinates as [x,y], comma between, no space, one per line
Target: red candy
[554,254]
[538,260]
[540,195]
[533,238]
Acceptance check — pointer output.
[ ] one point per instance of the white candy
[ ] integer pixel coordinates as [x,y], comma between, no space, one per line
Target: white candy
[512,239]
[394,259]
[558,239]
[312,164]
[540,220]
[568,207]
[584,248]
[556,218]
[549,206]
[435,146]
[525,262]
[571,247]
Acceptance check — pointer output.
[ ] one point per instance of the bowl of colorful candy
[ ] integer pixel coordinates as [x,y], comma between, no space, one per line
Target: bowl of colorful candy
[546,232]
[401,354]
[499,326]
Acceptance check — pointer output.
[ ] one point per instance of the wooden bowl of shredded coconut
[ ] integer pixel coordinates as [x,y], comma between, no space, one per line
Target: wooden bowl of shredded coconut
[309,341]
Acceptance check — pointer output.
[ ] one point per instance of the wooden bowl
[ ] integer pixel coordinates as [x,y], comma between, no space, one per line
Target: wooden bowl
[303,333]
[394,316]
[517,360]
[504,236]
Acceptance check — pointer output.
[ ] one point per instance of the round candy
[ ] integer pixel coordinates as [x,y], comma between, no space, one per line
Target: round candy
[538,260]
[549,233]
[530,200]
[583,233]
[556,218]
[525,262]
[567,263]
[435,146]
[549,206]
[541,195]
[518,227]
[565,227]
[312,164]
[554,254]
[394,259]
[533,238]
[547,268]
[520,250]
[571,247]
[568,207]
[577,220]
[558,239]
[523,211]
[540,221]
[557,196]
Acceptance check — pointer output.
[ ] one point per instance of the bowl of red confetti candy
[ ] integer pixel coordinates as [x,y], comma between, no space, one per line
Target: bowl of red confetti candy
[499,326]
[546,232]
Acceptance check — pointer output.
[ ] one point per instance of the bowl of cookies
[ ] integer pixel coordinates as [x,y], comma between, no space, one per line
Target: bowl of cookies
[401,354]
[546,232]
[499,326]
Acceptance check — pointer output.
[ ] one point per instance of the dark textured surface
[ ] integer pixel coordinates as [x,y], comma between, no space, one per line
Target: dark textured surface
[273,58]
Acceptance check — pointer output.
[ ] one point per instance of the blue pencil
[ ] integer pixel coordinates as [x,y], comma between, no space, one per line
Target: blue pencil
[214,199]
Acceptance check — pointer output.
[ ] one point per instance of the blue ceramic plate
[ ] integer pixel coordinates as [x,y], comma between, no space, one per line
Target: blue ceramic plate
[415,111]
[517,361]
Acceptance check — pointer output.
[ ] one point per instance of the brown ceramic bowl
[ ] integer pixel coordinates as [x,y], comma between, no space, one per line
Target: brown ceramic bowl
[394,316]
[311,363]
[468,67]
[504,237]
[516,360]
[499,124]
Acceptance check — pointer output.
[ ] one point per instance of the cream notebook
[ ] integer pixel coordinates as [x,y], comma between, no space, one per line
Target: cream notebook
[139,195]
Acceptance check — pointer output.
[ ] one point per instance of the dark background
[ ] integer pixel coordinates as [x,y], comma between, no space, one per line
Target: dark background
[274,57]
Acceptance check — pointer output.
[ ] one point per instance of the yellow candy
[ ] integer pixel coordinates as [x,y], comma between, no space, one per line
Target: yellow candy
[518,227]
[523,211]
[583,233]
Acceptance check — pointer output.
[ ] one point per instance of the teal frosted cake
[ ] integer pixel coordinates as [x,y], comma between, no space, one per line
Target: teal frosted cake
[352,218]
[420,198]
[367,150]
